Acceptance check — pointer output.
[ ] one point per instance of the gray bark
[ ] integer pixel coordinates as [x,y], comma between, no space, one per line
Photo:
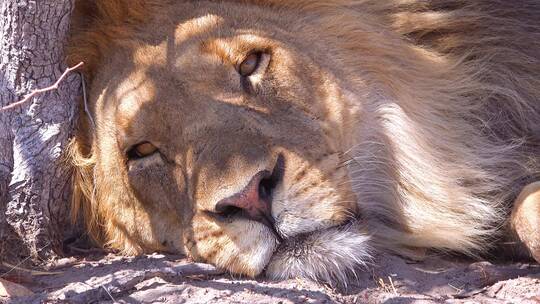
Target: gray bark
[34,184]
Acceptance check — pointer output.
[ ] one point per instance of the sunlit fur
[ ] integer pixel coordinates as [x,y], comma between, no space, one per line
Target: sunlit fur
[425,121]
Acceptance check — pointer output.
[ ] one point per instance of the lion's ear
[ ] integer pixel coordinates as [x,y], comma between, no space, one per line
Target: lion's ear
[97,25]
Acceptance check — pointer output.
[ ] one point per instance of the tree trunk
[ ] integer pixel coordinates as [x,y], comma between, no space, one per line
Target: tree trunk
[34,183]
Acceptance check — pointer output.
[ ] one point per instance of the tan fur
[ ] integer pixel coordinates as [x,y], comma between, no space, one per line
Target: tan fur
[525,219]
[417,122]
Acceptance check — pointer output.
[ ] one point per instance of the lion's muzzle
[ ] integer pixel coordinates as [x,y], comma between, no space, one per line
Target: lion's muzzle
[254,202]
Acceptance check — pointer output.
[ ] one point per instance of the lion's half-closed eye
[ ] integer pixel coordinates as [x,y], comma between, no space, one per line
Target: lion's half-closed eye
[141,150]
[249,65]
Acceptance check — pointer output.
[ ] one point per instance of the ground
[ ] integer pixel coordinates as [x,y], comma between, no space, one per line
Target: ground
[101,278]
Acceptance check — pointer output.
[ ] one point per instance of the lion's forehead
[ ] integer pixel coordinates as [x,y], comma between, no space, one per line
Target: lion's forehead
[197,26]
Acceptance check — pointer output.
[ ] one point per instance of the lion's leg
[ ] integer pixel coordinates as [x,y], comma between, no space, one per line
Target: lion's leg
[525,219]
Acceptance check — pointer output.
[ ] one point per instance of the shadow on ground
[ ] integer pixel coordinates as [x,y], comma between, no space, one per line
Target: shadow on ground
[174,279]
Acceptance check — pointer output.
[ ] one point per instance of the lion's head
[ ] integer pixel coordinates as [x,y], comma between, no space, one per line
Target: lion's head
[224,137]
[261,139]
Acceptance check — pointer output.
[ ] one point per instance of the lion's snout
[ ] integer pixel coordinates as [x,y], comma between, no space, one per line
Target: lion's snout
[254,202]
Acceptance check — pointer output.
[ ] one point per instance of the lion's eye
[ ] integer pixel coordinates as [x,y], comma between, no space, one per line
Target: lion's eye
[141,150]
[250,64]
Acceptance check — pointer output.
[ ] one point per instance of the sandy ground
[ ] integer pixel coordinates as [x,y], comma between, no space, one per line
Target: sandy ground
[173,279]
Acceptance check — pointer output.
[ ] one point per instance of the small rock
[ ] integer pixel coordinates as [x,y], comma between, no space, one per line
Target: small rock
[156,256]
[62,263]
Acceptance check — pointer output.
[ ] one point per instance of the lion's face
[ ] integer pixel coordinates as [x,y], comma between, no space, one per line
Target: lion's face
[224,141]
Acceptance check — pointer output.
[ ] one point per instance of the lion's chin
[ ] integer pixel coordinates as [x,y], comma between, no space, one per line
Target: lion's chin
[331,256]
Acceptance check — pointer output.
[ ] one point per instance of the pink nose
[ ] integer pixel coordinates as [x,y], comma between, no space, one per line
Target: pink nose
[254,202]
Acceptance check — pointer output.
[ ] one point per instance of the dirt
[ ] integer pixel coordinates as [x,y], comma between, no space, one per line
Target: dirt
[174,279]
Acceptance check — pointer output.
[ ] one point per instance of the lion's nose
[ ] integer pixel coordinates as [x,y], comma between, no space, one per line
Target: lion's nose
[255,200]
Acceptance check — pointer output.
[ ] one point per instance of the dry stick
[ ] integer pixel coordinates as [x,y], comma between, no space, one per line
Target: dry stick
[31,271]
[392,285]
[38,91]
[110,295]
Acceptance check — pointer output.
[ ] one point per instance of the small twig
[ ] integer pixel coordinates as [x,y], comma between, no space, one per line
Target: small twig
[110,295]
[383,285]
[86,251]
[31,271]
[85,99]
[104,288]
[392,285]
[38,91]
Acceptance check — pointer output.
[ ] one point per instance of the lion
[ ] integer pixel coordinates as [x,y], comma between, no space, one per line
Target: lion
[296,138]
